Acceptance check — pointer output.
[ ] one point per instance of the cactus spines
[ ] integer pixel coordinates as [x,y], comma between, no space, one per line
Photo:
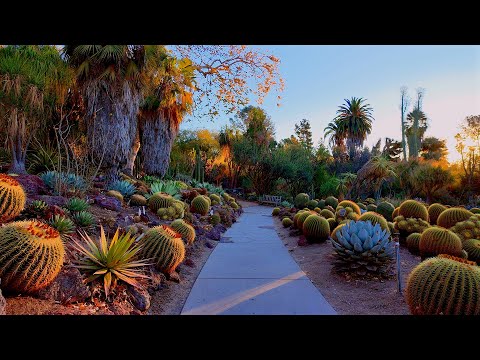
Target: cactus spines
[350,204]
[391,226]
[316,228]
[410,225]
[287,222]
[436,240]
[275,211]
[444,285]
[434,211]
[302,217]
[386,210]
[372,207]
[31,255]
[164,246]
[200,205]
[295,218]
[327,214]
[331,201]
[375,218]
[116,194]
[472,247]
[301,200]
[413,240]
[159,200]
[475,210]
[395,212]
[12,198]
[321,204]
[215,197]
[187,231]
[451,216]
[413,209]
[138,200]
[312,204]
[317,210]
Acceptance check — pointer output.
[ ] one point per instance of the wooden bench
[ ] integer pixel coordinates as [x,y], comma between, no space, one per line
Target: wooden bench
[270,199]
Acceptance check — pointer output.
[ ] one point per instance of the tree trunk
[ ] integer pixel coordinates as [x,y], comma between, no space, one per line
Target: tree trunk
[157,135]
[18,142]
[112,123]
[133,154]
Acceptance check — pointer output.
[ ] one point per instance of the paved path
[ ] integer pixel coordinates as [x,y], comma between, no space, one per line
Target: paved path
[251,272]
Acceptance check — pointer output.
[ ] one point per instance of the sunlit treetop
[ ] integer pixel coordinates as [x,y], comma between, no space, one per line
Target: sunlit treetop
[229,75]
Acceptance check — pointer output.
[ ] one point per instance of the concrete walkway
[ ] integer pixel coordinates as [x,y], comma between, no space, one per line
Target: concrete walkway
[251,272]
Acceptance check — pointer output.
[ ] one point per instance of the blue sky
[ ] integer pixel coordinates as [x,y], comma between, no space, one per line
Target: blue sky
[319,77]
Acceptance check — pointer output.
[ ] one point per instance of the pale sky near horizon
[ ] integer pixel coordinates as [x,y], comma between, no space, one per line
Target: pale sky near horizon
[319,77]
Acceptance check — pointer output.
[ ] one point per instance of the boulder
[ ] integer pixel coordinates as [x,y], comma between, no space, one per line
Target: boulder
[139,297]
[108,202]
[32,184]
[68,287]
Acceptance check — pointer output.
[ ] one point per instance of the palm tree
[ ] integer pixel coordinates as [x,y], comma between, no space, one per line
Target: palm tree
[375,172]
[416,125]
[169,85]
[109,79]
[33,80]
[337,136]
[354,120]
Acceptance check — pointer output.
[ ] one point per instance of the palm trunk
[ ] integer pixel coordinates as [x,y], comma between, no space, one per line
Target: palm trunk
[18,142]
[133,154]
[112,119]
[157,136]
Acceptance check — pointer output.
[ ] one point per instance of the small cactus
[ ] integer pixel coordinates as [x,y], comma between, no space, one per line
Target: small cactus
[138,200]
[451,216]
[413,241]
[301,200]
[332,222]
[200,205]
[331,201]
[31,255]
[472,247]
[436,240]
[321,204]
[159,200]
[275,211]
[395,212]
[434,212]
[413,209]
[216,198]
[372,207]
[333,235]
[350,204]
[287,222]
[312,204]
[215,219]
[361,206]
[327,214]
[444,285]
[316,228]
[164,246]
[303,216]
[386,210]
[116,194]
[187,231]
[12,198]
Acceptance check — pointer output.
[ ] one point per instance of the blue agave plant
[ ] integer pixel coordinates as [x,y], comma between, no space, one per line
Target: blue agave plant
[69,180]
[363,248]
[123,187]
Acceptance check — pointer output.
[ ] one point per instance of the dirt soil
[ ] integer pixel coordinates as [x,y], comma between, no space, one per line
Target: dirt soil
[347,295]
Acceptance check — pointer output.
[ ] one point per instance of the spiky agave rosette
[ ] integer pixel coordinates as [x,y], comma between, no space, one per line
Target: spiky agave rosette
[363,248]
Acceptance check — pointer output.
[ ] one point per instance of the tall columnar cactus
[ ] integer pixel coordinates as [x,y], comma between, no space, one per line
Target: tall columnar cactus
[350,204]
[331,201]
[434,212]
[31,255]
[164,246]
[413,241]
[187,231]
[436,240]
[413,209]
[375,218]
[362,247]
[303,216]
[12,198]
[316,228]
[327,214]
[444,285]
[472,247]
[386,210]
[301,200]
[159,200]
[451,216]
[200,205]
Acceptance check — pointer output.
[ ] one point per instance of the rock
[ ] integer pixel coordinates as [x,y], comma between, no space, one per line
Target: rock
[99,184]
[139,297]
[138,200]
[214,234]
[199,230]
[68,287]
[108,202]
[3,304]
[189,262]
[174,276]
[208,244]
[220,227]
[32,184]
[302,241]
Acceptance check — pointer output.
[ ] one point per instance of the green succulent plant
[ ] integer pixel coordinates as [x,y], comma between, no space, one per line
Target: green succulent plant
[62,224]
[362,247]
[76,205]
[331,201]
[123,187]
[84,219]
[434,212]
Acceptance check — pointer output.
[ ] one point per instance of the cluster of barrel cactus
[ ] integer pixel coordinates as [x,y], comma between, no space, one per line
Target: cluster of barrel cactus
[362,247]
[468,229]
[187,231]
[176,210]
[344,213]
[410,225]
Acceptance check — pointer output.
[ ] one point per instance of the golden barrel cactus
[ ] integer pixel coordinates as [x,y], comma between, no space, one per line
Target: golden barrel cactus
[12,198]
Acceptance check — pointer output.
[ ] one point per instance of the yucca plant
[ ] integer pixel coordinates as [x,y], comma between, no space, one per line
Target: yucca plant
[123,187]
[112,262]
[62,224]
[84,219]
[76,205]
